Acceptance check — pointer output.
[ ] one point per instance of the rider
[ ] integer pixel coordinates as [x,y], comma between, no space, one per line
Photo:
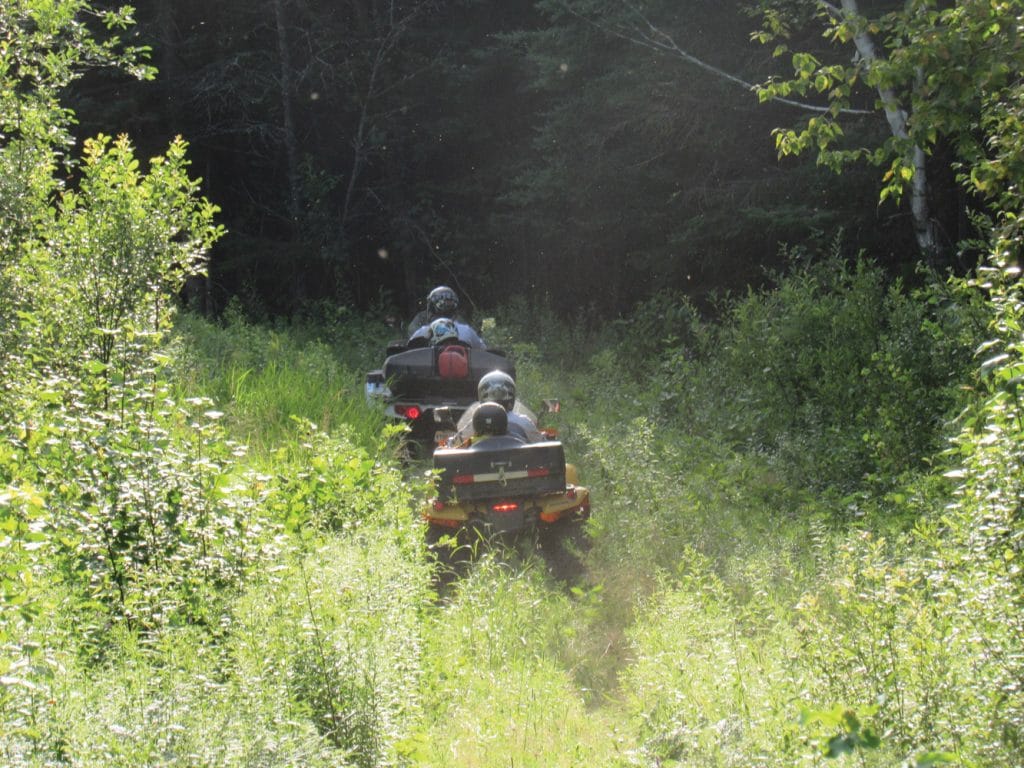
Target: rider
[441,302]
[490,419]
[444,329]
[498,387]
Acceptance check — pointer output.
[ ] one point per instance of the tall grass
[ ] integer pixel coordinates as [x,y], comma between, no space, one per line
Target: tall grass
[316,664]
[267,377]
[500,680]
[741,602]
[794,587]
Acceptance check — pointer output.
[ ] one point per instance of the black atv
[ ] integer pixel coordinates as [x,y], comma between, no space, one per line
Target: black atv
[416,380]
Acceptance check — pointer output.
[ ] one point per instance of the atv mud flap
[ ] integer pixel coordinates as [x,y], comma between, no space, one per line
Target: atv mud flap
[506,520]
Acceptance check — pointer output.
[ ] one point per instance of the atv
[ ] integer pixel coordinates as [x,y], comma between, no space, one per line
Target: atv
[416,380]
[501,485]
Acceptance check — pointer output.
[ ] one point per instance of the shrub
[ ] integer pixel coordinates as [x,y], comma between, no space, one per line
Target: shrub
[837,378]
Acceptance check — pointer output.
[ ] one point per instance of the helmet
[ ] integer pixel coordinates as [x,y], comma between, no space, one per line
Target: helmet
[442,330]
[490,419]
[443,301]
[497,387]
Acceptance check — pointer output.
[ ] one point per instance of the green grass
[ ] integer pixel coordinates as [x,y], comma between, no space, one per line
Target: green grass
[720,616]
[265,378]
[501,675]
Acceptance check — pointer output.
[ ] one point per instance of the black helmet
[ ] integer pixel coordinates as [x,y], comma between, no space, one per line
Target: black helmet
[442,329]
[490,419]
[443,301]
[497,387]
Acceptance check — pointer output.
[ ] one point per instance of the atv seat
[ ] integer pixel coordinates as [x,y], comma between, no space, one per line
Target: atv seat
[496,442]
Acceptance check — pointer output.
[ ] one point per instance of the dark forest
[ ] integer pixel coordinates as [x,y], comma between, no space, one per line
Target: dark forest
[364,151]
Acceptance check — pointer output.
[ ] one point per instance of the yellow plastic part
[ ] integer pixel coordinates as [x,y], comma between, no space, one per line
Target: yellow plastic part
[572,475]
[551,506]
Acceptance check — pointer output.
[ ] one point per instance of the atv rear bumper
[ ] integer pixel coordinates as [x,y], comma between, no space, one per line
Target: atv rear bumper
[512,514]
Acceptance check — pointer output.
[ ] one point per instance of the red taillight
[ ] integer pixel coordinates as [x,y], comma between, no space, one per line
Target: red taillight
[538,472]
[509,506]
[570,493]
[438,505]
[462,480]
[411,412]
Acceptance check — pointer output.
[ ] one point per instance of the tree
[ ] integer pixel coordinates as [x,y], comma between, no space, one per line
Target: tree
[49,44]
[92,254]
[932,68]
[922,67]
[642,172]
[300,114]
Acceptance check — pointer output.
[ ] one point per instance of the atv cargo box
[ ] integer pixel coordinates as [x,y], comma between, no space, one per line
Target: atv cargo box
[500,467]
[450,372]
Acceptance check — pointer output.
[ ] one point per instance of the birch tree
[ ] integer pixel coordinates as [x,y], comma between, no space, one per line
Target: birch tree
[928,67]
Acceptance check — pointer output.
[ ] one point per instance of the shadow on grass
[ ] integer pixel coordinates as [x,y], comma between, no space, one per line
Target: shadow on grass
[560,548]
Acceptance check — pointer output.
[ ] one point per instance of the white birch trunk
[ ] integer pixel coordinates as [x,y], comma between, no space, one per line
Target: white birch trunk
[924,227]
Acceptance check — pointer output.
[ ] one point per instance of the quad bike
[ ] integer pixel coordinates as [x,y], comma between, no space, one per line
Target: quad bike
[415,381]
[501,485]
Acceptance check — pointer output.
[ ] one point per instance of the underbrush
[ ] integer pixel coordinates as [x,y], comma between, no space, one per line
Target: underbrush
[317,663]
[787,560]
[183,601]
[770,626]
[187,601]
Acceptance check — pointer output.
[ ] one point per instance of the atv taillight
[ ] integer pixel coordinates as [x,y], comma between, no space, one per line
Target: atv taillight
[570,493]
[538,472]
[508,506]
[462,480]
[411,412]
[438,505]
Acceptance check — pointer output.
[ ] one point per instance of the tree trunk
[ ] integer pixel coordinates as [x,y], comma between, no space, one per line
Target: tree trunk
[290,140]
[167,30]
[924,227]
